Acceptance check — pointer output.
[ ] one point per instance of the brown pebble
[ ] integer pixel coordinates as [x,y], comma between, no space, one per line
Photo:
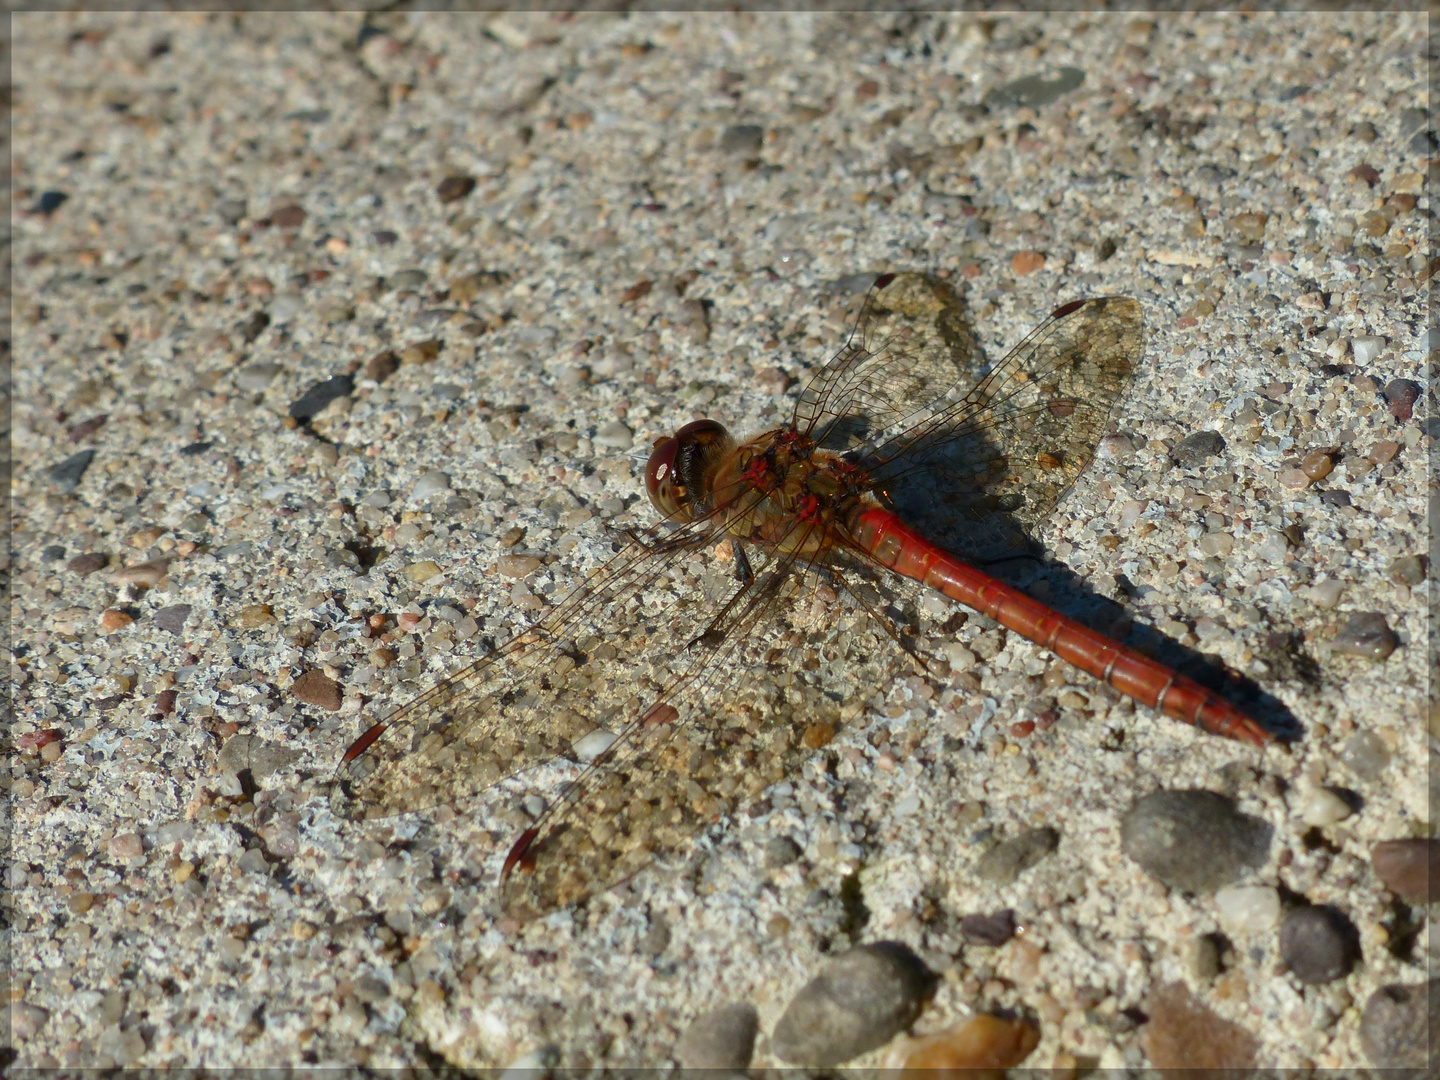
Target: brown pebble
[288,217]
[517,566]
[1383,452]
[1365,174]
[1317,464]
[126,846]
[454,188]
[143,574]
[981,1048]
[147,537]
[817,735]
[1183,1033]
[318,689]
[422,352]
[1404,867]
[254,616]
[112,620]
[407,621]
[1293,479]
[1027,262]
[87,564]
[1250,227]
[382,366]
[80,902]
[636,291]
[165,702]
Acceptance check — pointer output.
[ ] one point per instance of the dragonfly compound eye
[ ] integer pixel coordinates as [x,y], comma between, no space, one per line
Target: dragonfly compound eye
[680,467]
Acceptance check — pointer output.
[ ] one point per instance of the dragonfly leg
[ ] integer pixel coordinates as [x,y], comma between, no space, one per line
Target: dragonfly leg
[714,633]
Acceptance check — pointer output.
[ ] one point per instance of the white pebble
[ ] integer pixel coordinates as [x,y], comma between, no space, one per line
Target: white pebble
[907,806]
[1247,909]
[1321,806]
[961,658]
[432,483]
[534,805]
[615,435]
[588,747]
[1366,348]
[1326,594]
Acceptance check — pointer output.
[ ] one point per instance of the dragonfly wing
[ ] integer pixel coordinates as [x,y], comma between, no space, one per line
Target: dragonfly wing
[910,347]
[989,467]
[569,675]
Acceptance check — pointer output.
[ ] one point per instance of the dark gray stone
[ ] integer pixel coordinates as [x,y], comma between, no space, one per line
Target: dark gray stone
[310,404]
[172,618]
[723,1038]
[1318,944]
[66,476]
[1366,635]
[994,929]
[1193,450]
[1396,1024]
[1193,840]
[860,1000]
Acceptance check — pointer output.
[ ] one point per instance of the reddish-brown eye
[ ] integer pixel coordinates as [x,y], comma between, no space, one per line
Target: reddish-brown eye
[660,476]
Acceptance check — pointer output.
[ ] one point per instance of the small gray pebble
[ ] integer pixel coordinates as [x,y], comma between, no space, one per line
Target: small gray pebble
[742,139]
[994,929]
[407,279]
[781,851]
[254,378]
[723,1038]
[172,618]
[1366,754]
[614,435]
[657,938]
[1366,635]
[1035,91]
[1192,450]
[1004,863]
[230,211]
[263,759]
[1317,944]
[66,476]
[1407,570]
[1193,840]
[1396,1024]
[432,483]
[52,553]
[370,989]
[860,1000]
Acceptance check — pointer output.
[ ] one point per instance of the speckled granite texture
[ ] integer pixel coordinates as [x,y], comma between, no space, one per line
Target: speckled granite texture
[573,234]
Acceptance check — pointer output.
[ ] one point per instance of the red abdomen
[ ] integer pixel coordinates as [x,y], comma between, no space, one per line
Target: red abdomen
[892,543]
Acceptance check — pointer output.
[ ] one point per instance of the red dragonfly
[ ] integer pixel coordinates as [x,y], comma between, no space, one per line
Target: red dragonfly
[686,685]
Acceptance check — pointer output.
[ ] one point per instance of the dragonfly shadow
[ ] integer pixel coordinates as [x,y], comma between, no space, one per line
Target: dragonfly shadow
[1000,543]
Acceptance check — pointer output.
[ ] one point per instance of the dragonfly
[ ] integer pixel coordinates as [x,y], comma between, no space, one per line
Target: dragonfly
[676,676]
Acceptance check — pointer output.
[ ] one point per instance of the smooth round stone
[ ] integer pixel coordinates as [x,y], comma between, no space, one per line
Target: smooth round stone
[1404,867]
[723,1038]
[1004,863]
[994,929]
[1218,544]
[614,435]
[1321,806]
[860,1000]
[432,483]
[408,279]
[1247,909]
[1317,464]
[589,747]
[1193,840]
[1326,594]
[1366,754]
[1396,1024]
[1366,635]
[1406,570]
[1317,944]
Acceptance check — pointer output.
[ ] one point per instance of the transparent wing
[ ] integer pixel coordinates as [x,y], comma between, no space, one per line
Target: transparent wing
[996,460]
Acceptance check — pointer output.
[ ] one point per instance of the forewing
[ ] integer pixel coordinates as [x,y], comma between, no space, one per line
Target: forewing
[579,670]
[909,350]
[986,469]
[706,742]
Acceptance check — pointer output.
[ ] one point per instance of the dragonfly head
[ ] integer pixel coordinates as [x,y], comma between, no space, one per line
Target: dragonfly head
[680,466]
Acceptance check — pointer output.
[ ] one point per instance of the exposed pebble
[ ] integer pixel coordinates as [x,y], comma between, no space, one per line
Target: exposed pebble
[291,216]
[1247,909]
[454,188]
[1366,635]
[125,846]
[1183,1033]
[1396,1025]
[981,1048]
[254,378]
[112,620]
[87,564]
[422,571]
[517,566]
[1320,807]
[1366,347]
[1193,450]
[1317,944]
[318,689]
[172,618]
[1400,396]
[1407,570]
[382,365]
[1366,754]
[860,1000]
[615,436]
[432,483]
[1317,464]
[781,851]
[994,929]
[1026,262]
[254,616]
[1383,452]
[1404,867]
[1193,840]
[743,140]
[65,477]
[1326,594]
[723,1038]
[313,402]
[263,759]
[422,352]
[1004,863]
